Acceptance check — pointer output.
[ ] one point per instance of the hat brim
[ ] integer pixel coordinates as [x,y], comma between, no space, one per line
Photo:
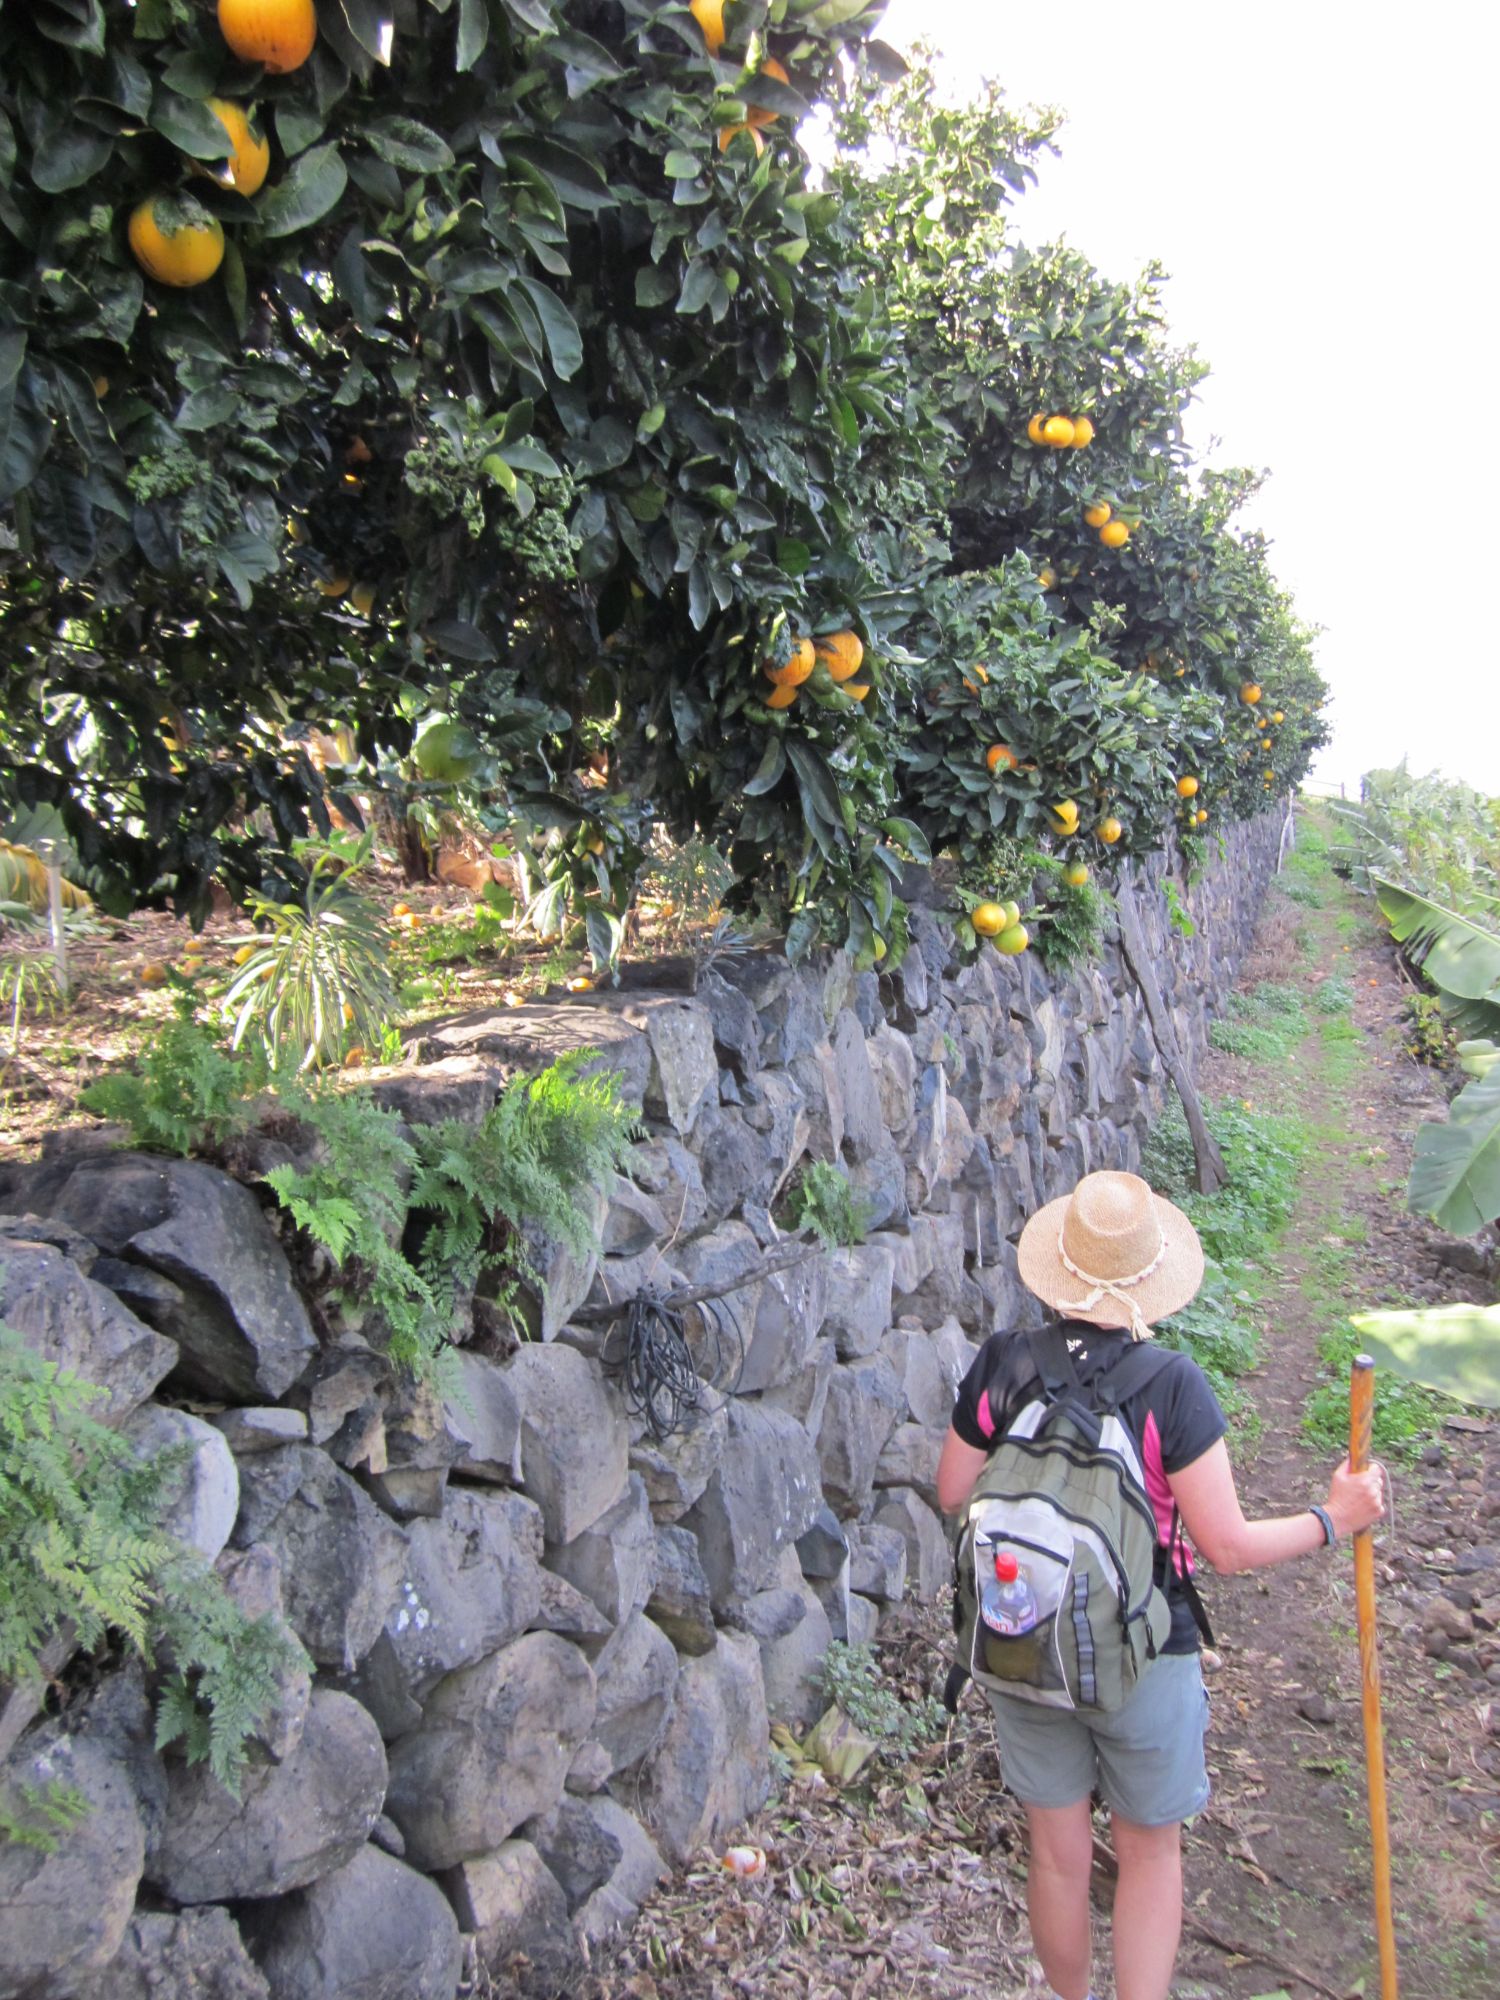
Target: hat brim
[1168,1289]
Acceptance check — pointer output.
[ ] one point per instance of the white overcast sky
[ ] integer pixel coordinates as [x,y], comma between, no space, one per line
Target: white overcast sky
[1318,179]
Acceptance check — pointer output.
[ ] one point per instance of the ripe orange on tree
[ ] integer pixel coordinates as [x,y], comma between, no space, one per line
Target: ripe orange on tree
[781,697]
[1000,756]
[729,133]
[1186,787]
[709,14]
[988,919]
[1265,743]
[1083,433]
[859,689]
[1076,874]
[842,653]
[1047,578]
[1064,816]
[1250,693]
[1058,432]
[759,115]
[1201,815]
[175,240]
[797,669]
[1114,534]
[1109,830]
[249,149]
[1036,428]
[1278,716]
[1098,514]
[278,33]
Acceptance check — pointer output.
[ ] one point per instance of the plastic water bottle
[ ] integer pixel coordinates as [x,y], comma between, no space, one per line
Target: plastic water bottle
[1009,1614]
[1007,1604]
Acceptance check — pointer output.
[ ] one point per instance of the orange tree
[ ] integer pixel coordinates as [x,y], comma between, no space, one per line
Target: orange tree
[506,361]
[527,388]
[999,337]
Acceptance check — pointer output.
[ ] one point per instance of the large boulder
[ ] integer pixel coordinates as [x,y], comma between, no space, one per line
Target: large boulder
[864,1402]
[483,1418]
[78,1325]
[242,1330]
[637,1678]
[765,1494]
[909,1457]
[859,1298]
[341,1558]
[676,1468]
[929,1558]
[680,1600]
[292,1822]
[789,1664]
[203,1490]
[529,1038]
[194,1955]
[493,1749]
[473,1583]
[711,1770]
[865,1130]
[581,1852]
[635,1873]
[371,1930]
[788,1317]
[516,1910]
[921,1365]
[64,1909]
[574,1439]
[613,1562]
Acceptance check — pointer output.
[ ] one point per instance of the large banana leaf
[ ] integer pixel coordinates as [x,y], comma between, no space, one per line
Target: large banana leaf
[1453,1349]
[1461,960]
[1455,1171]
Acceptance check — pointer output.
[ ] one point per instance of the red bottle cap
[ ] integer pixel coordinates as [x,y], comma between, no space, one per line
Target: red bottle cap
[1007,1569]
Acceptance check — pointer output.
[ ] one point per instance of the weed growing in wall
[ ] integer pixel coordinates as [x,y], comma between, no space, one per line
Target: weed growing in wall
[824,1202]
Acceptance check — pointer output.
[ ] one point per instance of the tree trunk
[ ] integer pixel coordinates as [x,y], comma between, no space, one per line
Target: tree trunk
[1212,1173]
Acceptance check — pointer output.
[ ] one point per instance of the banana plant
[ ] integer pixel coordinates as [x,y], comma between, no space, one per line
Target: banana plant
[1453,1349]
[1458,956]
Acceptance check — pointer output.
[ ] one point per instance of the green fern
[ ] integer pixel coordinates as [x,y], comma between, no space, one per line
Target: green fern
[824,1202]
[37,1816]
[550,1140]
[188,1093]
[80,1547]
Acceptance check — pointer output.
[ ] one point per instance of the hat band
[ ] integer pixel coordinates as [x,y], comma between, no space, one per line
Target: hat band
[1115,1288]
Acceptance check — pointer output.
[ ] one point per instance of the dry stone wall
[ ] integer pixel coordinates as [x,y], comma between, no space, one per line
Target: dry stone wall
[545,1646]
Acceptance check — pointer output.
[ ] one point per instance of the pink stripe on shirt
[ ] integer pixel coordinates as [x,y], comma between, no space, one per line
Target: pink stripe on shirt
[1160,1495]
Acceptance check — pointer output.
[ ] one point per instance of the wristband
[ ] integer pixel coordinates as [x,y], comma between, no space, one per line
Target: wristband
[1325,1522]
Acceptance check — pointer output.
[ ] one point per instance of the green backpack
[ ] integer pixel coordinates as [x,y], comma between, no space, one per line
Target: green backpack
[1063,1493]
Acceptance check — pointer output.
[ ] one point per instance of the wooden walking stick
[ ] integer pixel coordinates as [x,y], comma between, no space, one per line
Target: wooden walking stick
[1361,1413]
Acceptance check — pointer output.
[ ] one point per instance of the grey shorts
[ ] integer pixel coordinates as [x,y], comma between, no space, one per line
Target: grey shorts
[1146,1759]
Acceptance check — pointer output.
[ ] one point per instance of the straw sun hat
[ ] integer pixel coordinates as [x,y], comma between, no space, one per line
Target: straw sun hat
[1112,1252]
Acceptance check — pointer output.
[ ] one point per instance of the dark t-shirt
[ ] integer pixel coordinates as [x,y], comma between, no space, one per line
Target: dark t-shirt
[1174,1419]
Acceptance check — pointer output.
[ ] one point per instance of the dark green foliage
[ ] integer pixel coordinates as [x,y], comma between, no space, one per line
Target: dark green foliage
[852,1677]
[598,412]
[79,1547]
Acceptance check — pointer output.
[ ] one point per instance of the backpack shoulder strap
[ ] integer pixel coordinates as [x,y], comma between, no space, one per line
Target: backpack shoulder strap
[1068,1398]
[1130,1372]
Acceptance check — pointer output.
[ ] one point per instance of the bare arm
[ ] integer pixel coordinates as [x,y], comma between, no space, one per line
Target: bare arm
[958,1468]
[1215,1522]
